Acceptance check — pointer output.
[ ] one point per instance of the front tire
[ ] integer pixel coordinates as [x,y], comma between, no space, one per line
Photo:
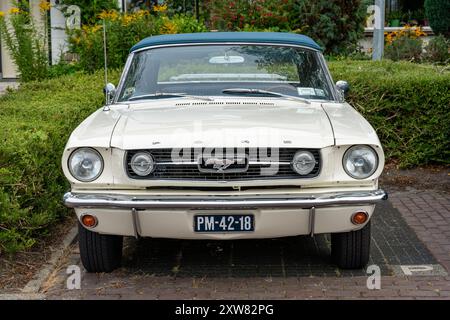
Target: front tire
[99,252]
[351,250]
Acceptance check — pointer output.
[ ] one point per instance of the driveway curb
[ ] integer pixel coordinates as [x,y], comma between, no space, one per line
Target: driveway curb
[34,285]
[22,296]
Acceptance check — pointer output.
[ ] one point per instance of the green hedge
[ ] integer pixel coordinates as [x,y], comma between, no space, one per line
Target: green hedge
[36,122]
[408,104]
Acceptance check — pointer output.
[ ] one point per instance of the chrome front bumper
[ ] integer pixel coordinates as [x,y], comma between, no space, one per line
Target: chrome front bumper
[94,200]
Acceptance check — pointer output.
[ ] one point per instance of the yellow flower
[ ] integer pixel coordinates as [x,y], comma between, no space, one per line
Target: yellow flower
[77,40]
[419,33]
[102,15]
[141,13]
[44,5]
[2,13]
[112,15]
[126,19]
[96,28]
[159,8]
[169,27]
[406,32]
[14,10]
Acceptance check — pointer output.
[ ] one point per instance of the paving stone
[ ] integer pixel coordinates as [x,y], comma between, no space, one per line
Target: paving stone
[412,228]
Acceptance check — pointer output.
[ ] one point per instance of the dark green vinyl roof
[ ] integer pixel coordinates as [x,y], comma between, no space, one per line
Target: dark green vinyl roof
[223,37]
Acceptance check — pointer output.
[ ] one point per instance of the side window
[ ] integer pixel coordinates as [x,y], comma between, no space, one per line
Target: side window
[313,82]
[133,77]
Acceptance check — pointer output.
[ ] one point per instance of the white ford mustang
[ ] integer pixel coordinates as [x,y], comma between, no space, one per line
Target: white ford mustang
[233,135]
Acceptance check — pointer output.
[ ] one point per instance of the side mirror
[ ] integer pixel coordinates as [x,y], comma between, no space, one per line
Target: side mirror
[343,87]
[109,90]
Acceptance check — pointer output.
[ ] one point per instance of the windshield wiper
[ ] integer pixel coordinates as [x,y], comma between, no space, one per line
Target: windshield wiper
[263,92]
[168,95]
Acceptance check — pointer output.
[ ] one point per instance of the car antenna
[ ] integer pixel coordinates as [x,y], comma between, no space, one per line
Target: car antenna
[106,107]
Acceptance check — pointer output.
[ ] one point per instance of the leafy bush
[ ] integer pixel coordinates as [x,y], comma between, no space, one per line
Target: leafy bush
[257,15]
[90,9]
[438,50]
[123,31]
[62,68]
[404,44]
[437,12]
[317,19]
[188,7]
[408,104]
[404,49]
[337,25]
[25,41]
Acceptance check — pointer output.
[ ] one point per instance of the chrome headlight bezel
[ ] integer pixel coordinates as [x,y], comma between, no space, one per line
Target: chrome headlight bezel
[308,154]
[347,155]
[148,171]
[93,152]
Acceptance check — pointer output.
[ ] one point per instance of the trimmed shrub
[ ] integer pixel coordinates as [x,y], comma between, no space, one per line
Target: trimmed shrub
[437,12]
[408,105]
[36,123]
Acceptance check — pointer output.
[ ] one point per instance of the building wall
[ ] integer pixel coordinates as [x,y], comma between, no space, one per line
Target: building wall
[58,34]
[366,43]
[9,69]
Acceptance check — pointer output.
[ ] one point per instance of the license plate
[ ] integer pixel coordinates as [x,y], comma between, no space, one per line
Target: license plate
[224,223]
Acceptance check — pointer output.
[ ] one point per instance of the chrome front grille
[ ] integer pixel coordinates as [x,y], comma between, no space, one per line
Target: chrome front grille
[185,165]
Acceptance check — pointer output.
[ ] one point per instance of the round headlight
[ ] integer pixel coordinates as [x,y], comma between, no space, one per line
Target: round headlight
[360,162]
[142,163]
[85,164]
[303,162]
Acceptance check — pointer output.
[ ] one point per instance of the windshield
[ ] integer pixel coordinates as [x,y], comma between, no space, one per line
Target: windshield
[219,70]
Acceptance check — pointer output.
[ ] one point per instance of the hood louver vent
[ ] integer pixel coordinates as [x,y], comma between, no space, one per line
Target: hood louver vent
[184,104]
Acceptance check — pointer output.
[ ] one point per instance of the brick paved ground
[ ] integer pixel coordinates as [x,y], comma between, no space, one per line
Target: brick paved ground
[412,228]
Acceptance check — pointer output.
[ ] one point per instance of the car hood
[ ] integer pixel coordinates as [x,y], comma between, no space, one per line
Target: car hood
[228,123]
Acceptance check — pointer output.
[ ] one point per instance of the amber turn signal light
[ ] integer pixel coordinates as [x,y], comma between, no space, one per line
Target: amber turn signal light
[89,221]
[359,217]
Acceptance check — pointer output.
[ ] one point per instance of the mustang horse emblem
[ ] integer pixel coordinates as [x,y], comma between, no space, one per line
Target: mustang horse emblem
[219,164]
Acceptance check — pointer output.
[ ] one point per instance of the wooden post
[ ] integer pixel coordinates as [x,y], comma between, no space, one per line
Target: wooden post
[378,30]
